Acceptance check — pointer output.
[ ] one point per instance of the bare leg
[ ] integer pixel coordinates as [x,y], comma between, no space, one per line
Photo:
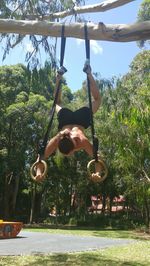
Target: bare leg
[95,93]
[93,87]
[58,80]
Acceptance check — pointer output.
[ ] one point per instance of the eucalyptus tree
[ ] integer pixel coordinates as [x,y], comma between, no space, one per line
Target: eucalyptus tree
[122,126]
[13,83]
[127,133]
[27,9]
[41,20]
[22,126]
[22,105]
[144,15]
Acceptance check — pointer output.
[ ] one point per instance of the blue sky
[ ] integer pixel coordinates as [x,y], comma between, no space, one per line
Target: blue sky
[107,58]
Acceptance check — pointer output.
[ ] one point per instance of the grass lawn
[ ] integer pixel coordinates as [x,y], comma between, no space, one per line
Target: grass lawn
[137,254]
[112,233]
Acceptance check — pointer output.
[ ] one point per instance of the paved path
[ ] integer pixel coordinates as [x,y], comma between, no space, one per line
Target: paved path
[30,243]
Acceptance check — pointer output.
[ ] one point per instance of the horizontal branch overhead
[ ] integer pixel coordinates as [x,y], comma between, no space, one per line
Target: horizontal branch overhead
[100,31]
[100,7]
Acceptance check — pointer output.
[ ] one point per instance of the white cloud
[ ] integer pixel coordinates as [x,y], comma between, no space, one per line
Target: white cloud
[79,41]
[95,47]
[28,47]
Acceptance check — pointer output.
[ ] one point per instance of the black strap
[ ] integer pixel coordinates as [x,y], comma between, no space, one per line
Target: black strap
[42,145]
[87,42]
[94,138]
[63,44]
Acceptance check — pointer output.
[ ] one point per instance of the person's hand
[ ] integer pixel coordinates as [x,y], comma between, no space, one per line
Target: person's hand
[39,169]
[65,132]
[38,158]
[96,177]
[87,68]
[62,70]
[98,167]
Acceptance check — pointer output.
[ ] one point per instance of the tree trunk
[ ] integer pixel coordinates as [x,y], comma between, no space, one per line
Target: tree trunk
[10,196]
[103,203]
[33,193]
[147,214]
[6,199]
[14,196]
[100,7]
[101,31]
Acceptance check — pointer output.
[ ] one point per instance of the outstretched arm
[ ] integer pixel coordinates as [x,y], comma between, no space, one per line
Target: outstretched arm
[51,146]
[60,73]
[58,81]
[93,87]
[88,147]
[95,93]
[53,143]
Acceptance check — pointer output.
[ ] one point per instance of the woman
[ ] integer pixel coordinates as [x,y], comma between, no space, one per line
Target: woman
[71,126]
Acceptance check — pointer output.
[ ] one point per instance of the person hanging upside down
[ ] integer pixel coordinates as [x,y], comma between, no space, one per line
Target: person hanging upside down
[71,125]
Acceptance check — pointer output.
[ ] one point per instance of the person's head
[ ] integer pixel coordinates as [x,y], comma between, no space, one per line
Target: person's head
[65,145]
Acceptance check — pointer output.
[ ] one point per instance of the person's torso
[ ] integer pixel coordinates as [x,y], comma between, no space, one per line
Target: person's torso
[80,117]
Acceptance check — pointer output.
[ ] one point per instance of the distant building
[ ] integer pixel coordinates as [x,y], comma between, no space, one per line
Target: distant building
[118,204]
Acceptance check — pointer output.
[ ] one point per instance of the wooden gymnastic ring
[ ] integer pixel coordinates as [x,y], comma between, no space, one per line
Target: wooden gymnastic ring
[33,167]
[99,178]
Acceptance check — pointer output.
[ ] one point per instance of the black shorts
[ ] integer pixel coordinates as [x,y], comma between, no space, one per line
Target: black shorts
[79,117]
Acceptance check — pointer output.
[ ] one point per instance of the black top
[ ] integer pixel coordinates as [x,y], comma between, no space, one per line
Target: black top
[79,117]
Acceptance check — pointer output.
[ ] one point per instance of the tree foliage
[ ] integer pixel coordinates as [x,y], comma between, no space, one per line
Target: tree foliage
[143,15]
[19,10]
[122,126]
[45,10]
[126,130]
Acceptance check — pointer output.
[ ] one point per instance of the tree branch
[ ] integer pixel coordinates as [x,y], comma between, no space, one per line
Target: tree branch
[146,176]
[101,31]
[101,7]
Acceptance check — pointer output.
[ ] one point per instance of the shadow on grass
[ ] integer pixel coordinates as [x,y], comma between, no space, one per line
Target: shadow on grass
[80,259]
[94,231]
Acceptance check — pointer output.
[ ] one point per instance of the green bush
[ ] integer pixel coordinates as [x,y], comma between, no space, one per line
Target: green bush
[72,221]
[115,220]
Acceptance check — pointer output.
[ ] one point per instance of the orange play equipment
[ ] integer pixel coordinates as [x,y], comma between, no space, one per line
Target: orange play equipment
[10,229]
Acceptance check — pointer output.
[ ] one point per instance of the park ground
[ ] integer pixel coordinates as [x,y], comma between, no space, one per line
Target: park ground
[133,254]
